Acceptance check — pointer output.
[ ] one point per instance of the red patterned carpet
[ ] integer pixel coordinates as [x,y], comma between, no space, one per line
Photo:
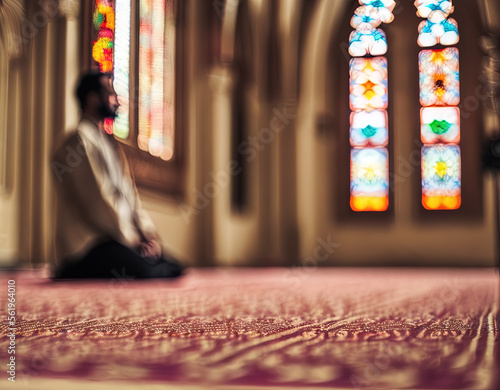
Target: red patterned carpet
[317,328]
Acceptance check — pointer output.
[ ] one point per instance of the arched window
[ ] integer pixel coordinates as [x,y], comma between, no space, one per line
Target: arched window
[140,41]
[368,100]
[439,97]
[411,162]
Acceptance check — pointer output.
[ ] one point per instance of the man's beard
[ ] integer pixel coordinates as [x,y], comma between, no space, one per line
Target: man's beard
[107,112]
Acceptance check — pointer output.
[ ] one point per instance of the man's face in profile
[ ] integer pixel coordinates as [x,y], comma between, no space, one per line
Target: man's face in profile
[109,99]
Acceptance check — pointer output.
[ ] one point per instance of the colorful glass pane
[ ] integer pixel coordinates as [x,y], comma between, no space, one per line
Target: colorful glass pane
[102,48]
[368,83]
[368,128]
[367,41]
[439,77]
[104,26]
[434,10]
[440,124]
[368,101]
[121,67]
[441,181]
[369,179]
[156,86]
[145,73]
[444,32]
[389,4]
[368,17]
[155,145]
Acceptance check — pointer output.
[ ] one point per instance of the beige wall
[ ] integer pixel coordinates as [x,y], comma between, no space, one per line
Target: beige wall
[31,119]
[9,187]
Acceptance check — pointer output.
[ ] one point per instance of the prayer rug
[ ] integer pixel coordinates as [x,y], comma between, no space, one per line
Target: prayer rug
[338,328]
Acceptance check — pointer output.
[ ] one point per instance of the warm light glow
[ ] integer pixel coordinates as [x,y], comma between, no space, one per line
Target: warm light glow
[439,77]
[121,69]
[389,4]
[145,73]
[368,83]
[104,26]
[434,10]
[370,17]
[102,48]
[440,125]
[441,168]
[441,177]
[444,33]
[368,129]
[156,78]
[441,202]
[368,99]
[367,203]
[369,179]
[439,96]
[364,42]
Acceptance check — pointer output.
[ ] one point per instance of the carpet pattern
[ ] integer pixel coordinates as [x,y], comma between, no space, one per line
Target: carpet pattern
[344,328]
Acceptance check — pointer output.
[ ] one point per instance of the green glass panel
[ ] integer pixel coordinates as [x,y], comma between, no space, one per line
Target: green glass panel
[439,127]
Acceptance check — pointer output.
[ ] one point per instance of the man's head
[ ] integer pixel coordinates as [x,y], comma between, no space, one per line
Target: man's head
[96,95]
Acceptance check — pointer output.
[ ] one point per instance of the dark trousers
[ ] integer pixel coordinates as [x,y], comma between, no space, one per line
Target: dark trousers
[111,259]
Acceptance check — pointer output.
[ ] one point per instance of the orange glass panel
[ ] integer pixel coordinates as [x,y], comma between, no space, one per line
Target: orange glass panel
[369,179]
[369,203]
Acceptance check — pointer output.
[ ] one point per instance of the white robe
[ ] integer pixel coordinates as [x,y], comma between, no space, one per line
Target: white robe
[96,195]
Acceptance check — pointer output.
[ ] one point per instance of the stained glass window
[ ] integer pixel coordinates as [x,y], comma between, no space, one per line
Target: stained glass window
[368,83]
[111,50]
[439,77]
[440,125]
[368,100]
[370,41]
[434,10]
[368,17]
[389,4]
[368,128]
[440,116]
[156,92]
[104,27]
[122,67]
[369,179]
[444,32]
[441,177]
[102,49]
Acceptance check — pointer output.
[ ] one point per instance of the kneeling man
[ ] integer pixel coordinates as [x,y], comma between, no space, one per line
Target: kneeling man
[102,231]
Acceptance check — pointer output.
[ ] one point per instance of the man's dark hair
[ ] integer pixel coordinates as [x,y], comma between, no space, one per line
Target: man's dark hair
[89,82]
